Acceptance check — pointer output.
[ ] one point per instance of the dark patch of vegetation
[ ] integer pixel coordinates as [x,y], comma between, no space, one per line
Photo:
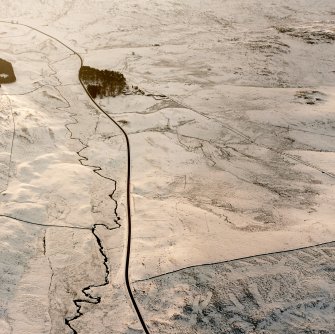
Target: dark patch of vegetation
[310,96]
[123,121]
[311,35]
[6,72]
[102,83]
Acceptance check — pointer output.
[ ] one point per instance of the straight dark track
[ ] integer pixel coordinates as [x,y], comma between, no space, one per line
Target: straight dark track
[234,260]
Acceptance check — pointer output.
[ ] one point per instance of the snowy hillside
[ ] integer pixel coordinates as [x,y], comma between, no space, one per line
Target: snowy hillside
[199,200]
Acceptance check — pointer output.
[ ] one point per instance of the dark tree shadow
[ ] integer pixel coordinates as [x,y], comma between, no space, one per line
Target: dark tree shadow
[6,72]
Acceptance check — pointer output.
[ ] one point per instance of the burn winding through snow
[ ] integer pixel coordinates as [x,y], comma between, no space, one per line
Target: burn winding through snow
[86,290]
[96,169]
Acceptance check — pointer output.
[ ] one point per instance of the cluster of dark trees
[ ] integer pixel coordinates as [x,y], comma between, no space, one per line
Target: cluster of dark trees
[6,72]
[102,83]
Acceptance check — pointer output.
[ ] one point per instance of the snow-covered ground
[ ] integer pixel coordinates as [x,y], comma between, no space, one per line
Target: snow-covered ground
[232,155]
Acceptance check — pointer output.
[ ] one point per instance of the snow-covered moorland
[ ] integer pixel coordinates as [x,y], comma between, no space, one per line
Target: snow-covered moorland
[230,123]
